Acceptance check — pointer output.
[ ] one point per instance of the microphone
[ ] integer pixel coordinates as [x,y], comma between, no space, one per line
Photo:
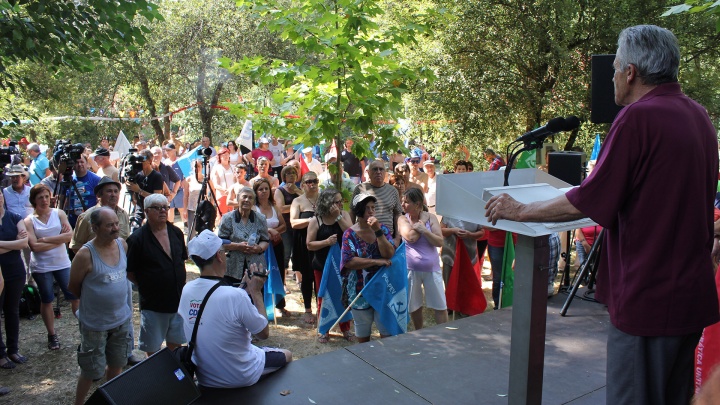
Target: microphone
[571,123]
[553,126]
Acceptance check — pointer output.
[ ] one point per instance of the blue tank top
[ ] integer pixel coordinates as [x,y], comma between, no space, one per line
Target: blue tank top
[105,294]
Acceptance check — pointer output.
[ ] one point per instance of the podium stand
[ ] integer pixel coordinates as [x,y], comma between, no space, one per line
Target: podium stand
[463,196]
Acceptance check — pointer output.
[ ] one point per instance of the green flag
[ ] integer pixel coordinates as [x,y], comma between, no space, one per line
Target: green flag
[508,277]
[526,160]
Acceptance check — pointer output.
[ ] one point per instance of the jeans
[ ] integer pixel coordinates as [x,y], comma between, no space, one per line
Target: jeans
[10,301]
[496,261]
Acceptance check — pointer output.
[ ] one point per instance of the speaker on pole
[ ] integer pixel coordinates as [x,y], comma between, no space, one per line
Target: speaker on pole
[566,166]
[159,379]
[602,98]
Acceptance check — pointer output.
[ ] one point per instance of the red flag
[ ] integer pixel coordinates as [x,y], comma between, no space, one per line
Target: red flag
[478,264]
[303,167]
[464,290]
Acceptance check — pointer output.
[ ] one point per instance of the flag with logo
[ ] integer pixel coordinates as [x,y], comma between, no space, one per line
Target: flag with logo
[508,277]
[387,293]
[184,162]
[331,292]
[464,290]
[274,287]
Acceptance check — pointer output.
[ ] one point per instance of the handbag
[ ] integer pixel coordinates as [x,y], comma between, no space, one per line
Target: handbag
[184,353]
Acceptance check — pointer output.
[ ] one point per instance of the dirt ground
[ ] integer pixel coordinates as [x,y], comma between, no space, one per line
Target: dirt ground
[50,377]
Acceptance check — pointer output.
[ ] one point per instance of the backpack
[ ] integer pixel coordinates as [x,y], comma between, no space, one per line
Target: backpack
[29,302]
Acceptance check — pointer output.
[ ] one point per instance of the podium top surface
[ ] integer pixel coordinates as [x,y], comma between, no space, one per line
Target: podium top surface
[463,196]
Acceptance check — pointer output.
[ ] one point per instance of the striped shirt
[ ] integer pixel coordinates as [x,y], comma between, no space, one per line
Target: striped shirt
[387,208]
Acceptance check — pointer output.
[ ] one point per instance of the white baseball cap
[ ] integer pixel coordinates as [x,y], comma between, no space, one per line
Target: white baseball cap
[205,245]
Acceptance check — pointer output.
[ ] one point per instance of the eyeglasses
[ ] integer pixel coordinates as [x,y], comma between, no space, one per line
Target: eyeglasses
[159,208]
[313,181]
[338,202]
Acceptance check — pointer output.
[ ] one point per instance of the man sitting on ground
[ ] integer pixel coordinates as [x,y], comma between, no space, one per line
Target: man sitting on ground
[224,354]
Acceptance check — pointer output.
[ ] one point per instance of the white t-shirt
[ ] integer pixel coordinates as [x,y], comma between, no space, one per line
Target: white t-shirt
[277,151]
[224,355]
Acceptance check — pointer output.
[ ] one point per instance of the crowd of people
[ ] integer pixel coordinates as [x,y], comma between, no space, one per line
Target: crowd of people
[281,198]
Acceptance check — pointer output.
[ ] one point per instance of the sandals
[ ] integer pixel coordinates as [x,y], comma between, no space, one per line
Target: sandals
[18,358]
[309,318]
[285,313]
[53,342]
[349,336]
[323,338]
[8,365]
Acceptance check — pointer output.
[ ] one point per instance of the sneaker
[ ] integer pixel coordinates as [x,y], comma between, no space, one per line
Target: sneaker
[53,342]
[551,290]
[135,359]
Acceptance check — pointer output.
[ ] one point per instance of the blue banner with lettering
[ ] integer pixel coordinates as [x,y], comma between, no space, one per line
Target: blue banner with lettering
[387,293]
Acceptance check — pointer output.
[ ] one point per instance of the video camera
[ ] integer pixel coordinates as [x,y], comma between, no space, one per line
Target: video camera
[68,153]
[131,165]
[6,153]
[206,152]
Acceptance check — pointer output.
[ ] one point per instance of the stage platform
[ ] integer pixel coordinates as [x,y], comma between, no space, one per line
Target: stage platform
[461,362]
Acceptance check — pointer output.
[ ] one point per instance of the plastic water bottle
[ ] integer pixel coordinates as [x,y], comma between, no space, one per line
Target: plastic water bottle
[252,239]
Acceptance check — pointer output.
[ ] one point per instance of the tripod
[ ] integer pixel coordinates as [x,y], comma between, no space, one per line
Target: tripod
[64,189]
[203,196]
[588,269]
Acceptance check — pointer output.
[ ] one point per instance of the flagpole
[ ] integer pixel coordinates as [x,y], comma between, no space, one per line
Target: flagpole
[273,307]
[346,310]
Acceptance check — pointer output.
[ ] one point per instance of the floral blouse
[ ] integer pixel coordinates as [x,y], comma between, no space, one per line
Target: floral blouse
[354,280]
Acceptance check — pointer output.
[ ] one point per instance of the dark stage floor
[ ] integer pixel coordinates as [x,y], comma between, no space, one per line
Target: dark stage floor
[462,362]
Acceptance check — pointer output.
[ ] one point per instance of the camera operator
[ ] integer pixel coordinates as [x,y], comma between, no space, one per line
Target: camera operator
[145,183]
[85,181]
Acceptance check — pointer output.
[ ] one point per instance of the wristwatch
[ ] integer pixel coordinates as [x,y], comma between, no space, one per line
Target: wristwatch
[339,217]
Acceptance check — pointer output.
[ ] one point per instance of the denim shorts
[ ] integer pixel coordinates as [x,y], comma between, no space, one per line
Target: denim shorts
[363,322]
[158,326]
[100,348]
[45,284]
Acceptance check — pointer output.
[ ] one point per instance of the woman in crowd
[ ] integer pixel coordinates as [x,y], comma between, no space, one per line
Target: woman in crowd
[398,181]
[223,178]
[13,238]
[421,232]
[234,157]
[284,196]
[324,230]
[584,239]
[302,210]
[288,154]
[248,234]
[366,246]
[265,204]
[48,231]
[194,186]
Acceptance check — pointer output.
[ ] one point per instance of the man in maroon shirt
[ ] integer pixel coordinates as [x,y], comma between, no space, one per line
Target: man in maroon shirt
[656,275]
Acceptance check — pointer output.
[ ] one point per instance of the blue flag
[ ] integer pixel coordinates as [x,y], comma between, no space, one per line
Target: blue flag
[596,148]
[331,292]
[387,293]
[274,283]
[184,162]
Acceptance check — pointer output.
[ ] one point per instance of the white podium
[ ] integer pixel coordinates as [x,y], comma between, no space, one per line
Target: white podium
[463,196]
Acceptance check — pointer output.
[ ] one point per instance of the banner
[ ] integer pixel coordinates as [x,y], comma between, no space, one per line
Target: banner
[387,293]
[246,139]
[274,283]
[596,148]
[184,162]
[508,277]
[122,145]
[464,289]
[331,292]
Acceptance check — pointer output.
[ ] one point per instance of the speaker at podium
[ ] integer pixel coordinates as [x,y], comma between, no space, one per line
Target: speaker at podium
[567,166]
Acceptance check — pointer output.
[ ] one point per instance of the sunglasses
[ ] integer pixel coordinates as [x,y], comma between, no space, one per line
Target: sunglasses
[159,208]
[313,181]
[415,161]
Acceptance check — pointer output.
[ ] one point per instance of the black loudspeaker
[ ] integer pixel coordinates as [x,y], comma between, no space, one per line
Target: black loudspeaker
[602,93]
[566,166]
[160,379]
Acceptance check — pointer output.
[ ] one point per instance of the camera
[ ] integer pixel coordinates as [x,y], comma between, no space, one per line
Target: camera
[205,152]
[68,153]
[131,165]
[6,153]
